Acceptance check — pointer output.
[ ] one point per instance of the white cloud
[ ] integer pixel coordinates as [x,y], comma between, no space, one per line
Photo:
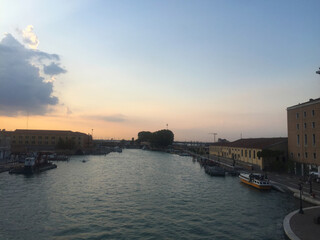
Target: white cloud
[29,37]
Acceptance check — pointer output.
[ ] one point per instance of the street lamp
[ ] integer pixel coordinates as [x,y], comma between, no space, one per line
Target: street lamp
[310,184]
[318,72]
[300,188]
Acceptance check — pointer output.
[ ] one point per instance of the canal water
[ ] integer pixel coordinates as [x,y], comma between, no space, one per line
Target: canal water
[137,194]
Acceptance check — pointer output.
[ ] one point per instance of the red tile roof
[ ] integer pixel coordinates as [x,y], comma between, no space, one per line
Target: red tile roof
[258,143]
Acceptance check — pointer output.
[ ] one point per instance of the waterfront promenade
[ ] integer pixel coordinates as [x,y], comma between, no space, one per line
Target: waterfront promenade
[281,181]
[303,226]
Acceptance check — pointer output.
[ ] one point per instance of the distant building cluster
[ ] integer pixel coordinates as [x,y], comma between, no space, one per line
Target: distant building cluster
[302,147]
[255,152]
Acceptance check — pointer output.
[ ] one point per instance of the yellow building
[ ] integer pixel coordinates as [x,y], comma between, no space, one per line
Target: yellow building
[39,140]
[260,153]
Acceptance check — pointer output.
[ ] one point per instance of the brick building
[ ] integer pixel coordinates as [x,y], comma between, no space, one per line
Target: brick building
[304,136]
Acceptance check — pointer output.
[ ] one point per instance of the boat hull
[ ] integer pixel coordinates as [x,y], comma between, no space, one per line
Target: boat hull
[266,187]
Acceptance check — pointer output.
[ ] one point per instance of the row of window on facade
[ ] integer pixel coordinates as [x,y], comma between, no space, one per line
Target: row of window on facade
[246,152]
[34,142]
[313,125]
[306,139]
[305,114]
[40,137]
[305,155]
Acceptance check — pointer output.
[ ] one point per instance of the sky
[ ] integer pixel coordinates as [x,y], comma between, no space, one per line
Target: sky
[115,68]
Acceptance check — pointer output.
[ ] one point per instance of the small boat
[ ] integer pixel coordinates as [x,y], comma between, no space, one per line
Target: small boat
[256,180]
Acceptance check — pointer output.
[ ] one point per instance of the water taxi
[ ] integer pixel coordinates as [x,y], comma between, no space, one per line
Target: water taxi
[256,180]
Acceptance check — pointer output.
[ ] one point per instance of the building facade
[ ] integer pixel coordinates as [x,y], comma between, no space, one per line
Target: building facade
[22,140]
[304,136]
[260,153]
[5,146]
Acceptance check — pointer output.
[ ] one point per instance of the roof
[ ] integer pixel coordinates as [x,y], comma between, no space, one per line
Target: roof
[27,131]
[310,102]
[258,143]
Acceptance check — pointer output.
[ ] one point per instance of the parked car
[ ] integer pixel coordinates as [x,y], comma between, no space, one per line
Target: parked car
[315,176]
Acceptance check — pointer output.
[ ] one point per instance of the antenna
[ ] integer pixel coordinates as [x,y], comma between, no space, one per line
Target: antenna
[28,120]
[214,136]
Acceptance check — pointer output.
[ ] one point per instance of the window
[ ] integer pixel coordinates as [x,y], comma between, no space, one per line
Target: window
[313,124]
[33,137]
[297,115]
[26,142]
[298,155]
[304,114]
[46,137]
[254,154]
[53,137]
[292,155]
[241,152]
[312,113]
[27,137]
[298,126]
[313,139]
[314,155]
[305,125]
[298,139]
[39,137]
[245,153]
[306,155]
[249,153]
[305,139]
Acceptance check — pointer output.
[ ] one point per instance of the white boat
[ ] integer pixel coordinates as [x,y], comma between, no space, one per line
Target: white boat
[256,180]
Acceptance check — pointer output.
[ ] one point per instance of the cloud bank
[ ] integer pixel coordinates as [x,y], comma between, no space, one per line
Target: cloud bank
[23,89]
[109,118]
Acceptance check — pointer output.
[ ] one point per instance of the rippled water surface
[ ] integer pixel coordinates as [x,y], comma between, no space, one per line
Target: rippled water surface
[137,195]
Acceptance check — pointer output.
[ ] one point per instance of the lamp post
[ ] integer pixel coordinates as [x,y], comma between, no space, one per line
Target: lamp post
[300,188]
[310,184]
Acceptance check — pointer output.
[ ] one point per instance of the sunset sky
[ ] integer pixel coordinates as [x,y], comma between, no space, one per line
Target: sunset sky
[120,67]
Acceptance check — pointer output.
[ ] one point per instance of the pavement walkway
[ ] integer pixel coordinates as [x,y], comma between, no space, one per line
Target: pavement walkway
[303,226]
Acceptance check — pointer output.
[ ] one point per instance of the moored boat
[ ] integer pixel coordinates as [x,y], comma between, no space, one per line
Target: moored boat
[256,180]
[34,165]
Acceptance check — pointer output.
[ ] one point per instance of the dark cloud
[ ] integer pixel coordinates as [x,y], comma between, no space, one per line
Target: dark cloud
[53,69]
[22,89]
[110,118]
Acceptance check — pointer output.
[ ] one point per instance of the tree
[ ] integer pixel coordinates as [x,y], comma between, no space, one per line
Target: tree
[162,138]
[144,136]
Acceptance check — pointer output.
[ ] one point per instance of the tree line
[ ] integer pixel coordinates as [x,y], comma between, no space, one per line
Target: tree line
[161,138]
